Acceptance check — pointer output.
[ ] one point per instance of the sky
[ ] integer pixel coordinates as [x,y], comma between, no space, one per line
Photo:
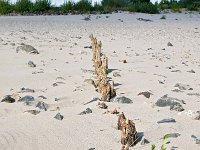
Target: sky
[58,2]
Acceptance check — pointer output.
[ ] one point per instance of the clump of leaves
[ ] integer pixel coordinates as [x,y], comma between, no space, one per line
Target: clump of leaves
[153,147]
[165,141]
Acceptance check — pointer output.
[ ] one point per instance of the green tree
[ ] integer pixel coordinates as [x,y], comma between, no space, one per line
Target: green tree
[83,5]
[190,4]
[42,5]
[24,6]
[68,6]
[5,7]
[114,4]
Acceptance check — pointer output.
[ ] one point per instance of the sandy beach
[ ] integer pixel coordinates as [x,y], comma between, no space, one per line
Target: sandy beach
[159,54]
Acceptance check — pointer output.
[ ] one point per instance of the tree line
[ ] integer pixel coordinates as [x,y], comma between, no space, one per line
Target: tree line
[86,6]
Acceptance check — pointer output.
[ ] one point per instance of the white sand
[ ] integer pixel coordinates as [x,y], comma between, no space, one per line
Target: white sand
[24,131]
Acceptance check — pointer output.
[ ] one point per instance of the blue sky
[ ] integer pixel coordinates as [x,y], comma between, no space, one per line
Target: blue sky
[58,2]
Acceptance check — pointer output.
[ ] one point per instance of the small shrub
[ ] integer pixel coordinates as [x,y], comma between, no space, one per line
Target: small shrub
[163,17]
[163,147]
[164,4]
[176,7]
[42,5]
[110,5]
[97,7]
[24,6]
[190,4]
[5,7]
[194,7]
[83,6]
[68,6]
[143,7]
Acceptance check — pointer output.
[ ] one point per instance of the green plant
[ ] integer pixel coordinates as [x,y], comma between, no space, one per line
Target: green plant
[142,1]
[5,7]
[42,5]
[194,6]
[143,7]
[83,5]
[165,141]
[176,7]
[153,147]
[24,6]
[110,5]
[97,7]
[190,4]
[164,4]
[68,6]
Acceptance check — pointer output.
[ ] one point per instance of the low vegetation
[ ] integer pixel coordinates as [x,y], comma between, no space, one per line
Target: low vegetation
[143,7]
[177,5]
[5,7]
[67,6]
[163,147]
[23,6]
[42,5]
[86,6]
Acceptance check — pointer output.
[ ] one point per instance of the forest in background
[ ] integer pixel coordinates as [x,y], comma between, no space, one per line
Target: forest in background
[45,7]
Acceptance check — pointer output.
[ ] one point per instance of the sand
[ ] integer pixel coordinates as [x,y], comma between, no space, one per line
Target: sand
[60,41]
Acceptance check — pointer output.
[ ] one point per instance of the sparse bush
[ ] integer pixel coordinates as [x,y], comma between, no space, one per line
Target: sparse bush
[176,7]
[143,7]
[42,5]
[164,4]
[5,7]
[190,4]
[24,6]
[83,6]
[165,141]
[110,5]
[195,6]
[67,6]
[97,7]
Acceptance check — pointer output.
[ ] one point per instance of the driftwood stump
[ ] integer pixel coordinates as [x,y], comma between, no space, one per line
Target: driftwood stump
[128,131]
